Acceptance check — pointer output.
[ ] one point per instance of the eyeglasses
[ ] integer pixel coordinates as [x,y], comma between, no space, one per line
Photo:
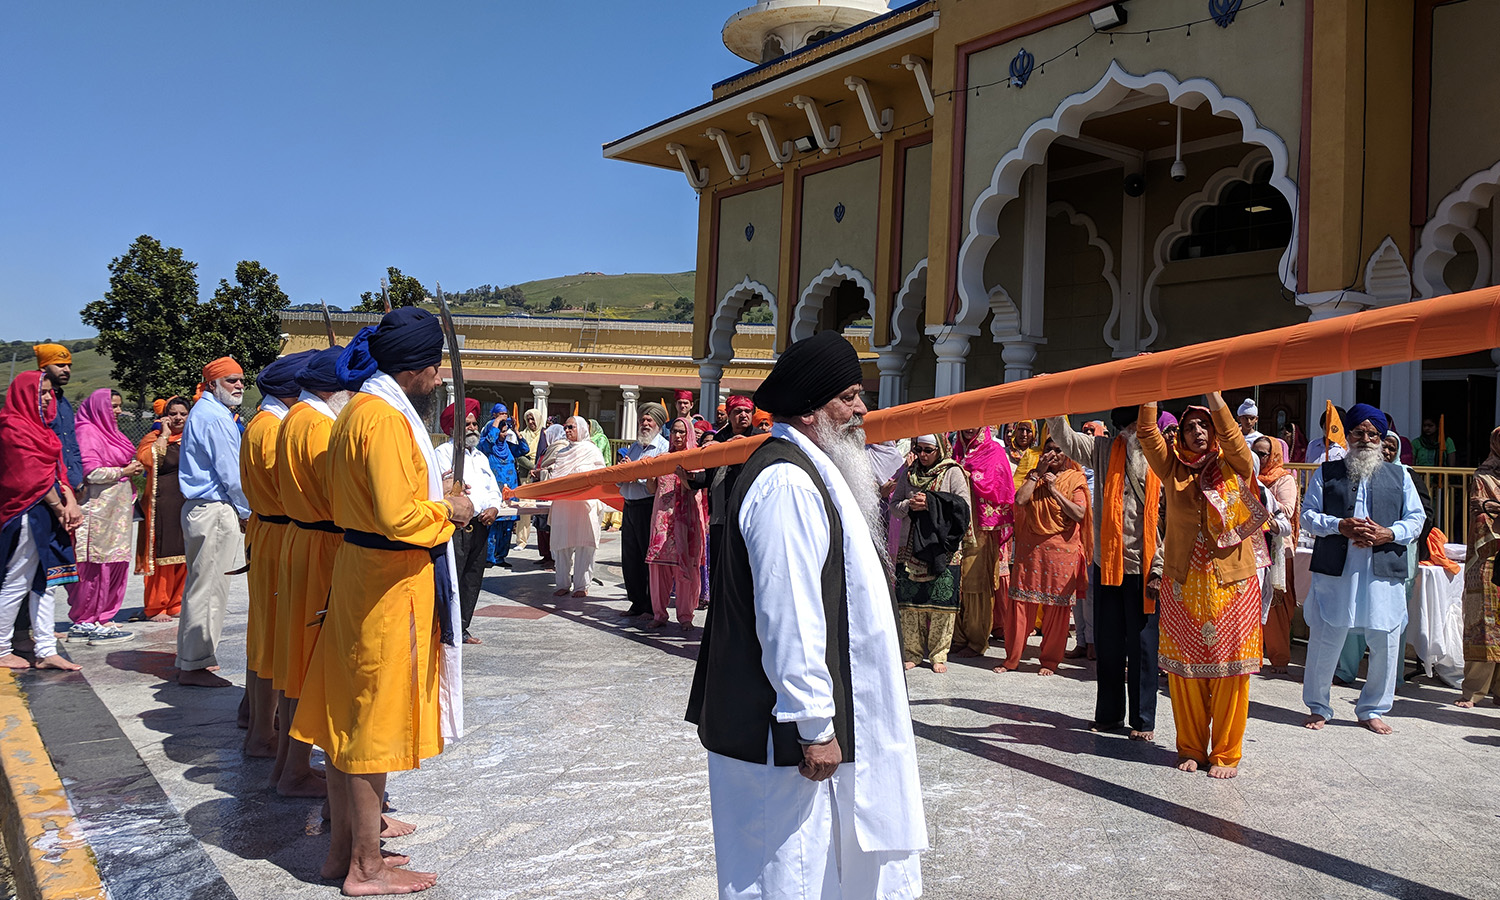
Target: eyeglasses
[927,449]
[234,379]
[1367,434]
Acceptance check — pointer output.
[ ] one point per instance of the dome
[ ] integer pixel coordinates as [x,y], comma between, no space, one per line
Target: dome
[773,28]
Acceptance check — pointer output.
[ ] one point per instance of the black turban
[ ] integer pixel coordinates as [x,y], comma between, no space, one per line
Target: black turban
[1123,416]
[810,373]
[279,379]
[408,339]
[321,371]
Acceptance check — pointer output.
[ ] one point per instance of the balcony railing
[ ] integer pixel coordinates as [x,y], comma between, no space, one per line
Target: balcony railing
[1448,486]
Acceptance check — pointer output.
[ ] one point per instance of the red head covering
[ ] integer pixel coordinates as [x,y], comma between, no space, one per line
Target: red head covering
[32,453]
[446,419]
[682,395]
[99,436]
[737,401]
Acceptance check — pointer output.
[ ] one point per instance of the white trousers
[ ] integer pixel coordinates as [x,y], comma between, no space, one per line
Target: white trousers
[19,572]
[215,545]
[779,836]
[1325,642]
[575,567]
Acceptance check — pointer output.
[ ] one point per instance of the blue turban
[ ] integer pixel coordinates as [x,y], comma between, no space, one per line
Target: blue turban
[279,379]
[497,408]
[407,339]
[321,373]
[1361,412]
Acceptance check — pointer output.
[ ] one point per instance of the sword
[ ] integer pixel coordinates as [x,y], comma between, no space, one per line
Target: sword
[328,323]
[385,294]
[460,407]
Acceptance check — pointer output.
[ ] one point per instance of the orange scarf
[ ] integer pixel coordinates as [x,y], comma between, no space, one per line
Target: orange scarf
[1112,524]
[1045,516]
[1437,555]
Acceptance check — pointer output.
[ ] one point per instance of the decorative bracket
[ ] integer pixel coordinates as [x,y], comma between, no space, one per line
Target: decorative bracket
[737,169]
[879,126]
[827,139]
[781,152]
[696,177]
[918,66]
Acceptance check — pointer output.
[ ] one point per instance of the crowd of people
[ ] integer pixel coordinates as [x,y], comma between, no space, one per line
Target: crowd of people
[1163,545]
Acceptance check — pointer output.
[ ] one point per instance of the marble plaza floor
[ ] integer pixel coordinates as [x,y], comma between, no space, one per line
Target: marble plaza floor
[578,779]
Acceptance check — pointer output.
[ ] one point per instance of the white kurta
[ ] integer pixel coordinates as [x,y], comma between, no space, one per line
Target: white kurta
[777,834]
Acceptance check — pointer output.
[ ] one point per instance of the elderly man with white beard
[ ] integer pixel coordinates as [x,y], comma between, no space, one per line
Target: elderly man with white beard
[635,524]
[1363,512]
[798,695]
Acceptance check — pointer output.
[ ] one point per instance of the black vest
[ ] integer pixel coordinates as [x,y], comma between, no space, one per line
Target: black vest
[1386,503]
[732,699]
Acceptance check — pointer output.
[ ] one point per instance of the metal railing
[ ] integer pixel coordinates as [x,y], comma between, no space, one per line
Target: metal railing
[1447,485]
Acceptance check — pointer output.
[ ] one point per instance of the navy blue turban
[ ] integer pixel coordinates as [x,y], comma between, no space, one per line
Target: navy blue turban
[407,339]
[321,373]
[279,379]
[1361,412]
[810,373]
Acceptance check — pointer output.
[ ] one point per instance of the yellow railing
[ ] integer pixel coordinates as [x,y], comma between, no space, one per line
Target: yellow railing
[1448,486]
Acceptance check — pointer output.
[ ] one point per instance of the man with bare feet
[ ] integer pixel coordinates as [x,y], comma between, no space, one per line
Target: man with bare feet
[374,710]
[1210,595]
[1363,512]
[37,510]
[214,512]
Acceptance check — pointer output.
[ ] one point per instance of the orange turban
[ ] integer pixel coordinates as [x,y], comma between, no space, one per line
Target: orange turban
[219,368]
[760,417]
[52,355]
[158,406]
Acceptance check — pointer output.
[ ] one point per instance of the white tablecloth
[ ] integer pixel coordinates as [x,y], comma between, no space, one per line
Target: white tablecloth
[1435,625]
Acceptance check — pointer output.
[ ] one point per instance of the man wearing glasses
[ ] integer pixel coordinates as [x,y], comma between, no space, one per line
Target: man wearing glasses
[1363,512]
[214,512]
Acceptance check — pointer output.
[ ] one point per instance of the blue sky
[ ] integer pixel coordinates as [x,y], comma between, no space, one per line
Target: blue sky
[459,141]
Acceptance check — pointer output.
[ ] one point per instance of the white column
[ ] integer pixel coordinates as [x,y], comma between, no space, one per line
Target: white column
[1338,387]
[1019,355]
[892,365]
[1401,395]
[594,397]
[951,344]
[630,418]
[449,393]
[710,372]
[539,392]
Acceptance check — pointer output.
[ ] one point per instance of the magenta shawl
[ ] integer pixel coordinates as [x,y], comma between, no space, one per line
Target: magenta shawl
[100,439]
[990,482]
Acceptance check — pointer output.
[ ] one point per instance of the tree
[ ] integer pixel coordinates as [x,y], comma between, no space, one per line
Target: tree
[682,310]
[146,320]
[556,304]
[242,319]
[404,291]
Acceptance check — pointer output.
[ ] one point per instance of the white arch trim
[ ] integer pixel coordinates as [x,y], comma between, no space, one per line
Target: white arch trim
[1111,89]
[906,315]
[1386,277]
[810,304]
[1076,218]
[727,315]
[1182,223]
[1455,216]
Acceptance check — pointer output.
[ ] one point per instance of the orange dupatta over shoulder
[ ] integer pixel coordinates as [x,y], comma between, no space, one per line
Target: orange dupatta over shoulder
[1112,524]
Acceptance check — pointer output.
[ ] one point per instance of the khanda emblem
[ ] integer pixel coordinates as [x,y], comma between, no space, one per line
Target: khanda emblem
[1020,68]
[1224,11]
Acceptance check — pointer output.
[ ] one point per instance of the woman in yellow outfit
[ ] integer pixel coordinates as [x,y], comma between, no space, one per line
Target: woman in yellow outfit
[1210,597]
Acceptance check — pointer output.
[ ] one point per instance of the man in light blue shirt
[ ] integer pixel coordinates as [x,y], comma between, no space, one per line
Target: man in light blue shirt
[1363,512]
[214,511]
[635,525]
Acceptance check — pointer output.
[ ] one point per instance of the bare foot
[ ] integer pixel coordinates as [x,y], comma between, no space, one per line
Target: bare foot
[388,881]
[911,665]
[1279,670]
[940,668]
[560,592]
[1142,735]
[392,828]
[57,662]
[332,869]
[1044,671]
[201,678]
[1377,725]
[1187,765]
[580,593]
[161,617]
[12,661]
[266,750]
[999,670]
[1466,704]
[308,784]
[1314,722]
[1223,771]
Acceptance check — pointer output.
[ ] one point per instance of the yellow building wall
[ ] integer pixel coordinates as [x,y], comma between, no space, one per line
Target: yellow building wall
[1078,300]
[1464,132]
[852,241]
[915,207]
[757,258]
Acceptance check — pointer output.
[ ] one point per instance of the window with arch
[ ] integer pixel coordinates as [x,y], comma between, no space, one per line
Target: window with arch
[1250,215]
[771,49]
[817,36]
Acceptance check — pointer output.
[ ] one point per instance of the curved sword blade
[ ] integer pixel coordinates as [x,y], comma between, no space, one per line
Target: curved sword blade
[460,408]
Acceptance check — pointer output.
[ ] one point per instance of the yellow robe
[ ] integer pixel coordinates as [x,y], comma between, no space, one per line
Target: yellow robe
[306,554]
[370,699]
[258,479]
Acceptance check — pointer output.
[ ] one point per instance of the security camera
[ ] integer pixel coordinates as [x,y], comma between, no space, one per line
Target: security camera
[1179,171]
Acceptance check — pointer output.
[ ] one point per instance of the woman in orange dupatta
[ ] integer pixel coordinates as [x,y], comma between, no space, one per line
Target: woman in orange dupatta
[159,551]
[1053,546]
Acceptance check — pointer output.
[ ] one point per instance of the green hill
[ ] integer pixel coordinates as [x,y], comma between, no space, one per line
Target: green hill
[627,296]
[90,367]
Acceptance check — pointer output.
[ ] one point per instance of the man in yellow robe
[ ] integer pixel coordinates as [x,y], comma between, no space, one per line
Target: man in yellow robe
[263,537]
[307,552]
[380,692]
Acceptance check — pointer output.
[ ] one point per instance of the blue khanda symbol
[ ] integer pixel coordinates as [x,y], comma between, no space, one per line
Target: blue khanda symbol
[1020,68]
[838,213]
[1224,11]
[749,232]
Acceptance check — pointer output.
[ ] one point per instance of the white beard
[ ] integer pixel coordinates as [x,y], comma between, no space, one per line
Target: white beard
[1363,462]
[338,400]
[647,435]
[845,446]
[228,396]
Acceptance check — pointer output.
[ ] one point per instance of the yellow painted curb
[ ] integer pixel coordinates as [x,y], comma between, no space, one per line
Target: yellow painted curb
[49,857]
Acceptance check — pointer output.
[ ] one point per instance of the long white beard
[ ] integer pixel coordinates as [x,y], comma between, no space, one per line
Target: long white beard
[1363,462]
[338,400]
[647,435]
[845,446]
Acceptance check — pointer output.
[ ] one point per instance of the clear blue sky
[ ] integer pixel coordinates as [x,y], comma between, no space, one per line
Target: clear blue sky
[459,141]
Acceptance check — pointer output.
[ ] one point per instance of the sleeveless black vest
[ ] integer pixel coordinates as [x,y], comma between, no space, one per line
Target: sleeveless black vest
[732,699]
[1386,503]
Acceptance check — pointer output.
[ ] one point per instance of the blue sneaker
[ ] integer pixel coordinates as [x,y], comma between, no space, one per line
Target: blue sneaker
[110,634]
[81,632]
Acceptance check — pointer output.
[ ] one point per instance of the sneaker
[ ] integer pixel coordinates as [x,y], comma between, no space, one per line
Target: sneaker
[110,634]
[81,632]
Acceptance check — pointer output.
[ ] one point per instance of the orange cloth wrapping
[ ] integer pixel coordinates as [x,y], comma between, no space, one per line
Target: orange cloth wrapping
[264,539]
[1112,524]
[1334,431]
[1424,329]
[306,575]
[52,355]
[219,368]
[1437,555]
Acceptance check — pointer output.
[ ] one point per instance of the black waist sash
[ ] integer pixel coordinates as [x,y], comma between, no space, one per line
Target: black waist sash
[318,526]
[442,585]
[274,520]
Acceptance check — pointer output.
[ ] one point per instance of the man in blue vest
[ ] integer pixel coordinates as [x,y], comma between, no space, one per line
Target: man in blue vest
[1363,513]
[57,361]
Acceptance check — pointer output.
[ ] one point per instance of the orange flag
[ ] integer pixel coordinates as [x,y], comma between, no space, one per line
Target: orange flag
[575,407]
[1334,430]
[1442,448]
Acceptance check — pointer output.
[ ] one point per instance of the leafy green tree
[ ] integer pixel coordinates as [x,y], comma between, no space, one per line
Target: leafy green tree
[757,315]
[242,320]
[404,291]
[146,320]
[556,304]
[682,310]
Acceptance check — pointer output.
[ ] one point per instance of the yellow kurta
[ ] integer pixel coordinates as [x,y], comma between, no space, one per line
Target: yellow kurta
[370,699]
[306,554]
[258,479]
